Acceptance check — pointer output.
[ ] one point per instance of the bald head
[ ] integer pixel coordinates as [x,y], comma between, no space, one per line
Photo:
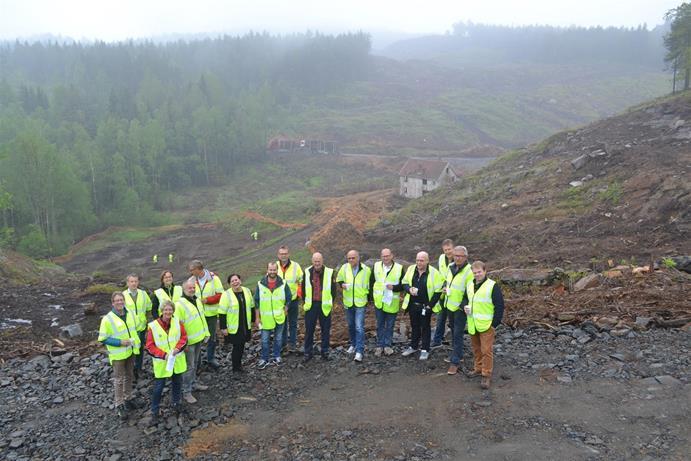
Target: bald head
[422,261]
[317,261]
[188,286]
[353,258]
[386,256]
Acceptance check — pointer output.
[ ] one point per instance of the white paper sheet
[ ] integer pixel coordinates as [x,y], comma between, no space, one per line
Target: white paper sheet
[170,364]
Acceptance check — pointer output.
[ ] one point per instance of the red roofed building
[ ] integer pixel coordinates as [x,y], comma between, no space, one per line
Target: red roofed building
[419,176]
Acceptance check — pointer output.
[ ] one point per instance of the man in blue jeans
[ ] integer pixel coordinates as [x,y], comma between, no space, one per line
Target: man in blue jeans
[386,289]
[354,278]
[270,299]
[291,273]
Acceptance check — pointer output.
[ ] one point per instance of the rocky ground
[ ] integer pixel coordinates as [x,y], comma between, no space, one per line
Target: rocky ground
[574,392]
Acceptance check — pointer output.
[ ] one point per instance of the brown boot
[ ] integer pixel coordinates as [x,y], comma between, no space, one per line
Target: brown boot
[485,382]
[473,374]
[453,369]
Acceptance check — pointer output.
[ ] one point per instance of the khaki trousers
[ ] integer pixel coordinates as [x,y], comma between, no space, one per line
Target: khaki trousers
[483,353]
[123,374]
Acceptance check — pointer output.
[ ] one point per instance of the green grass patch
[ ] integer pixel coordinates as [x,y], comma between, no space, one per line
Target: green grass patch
[102,289]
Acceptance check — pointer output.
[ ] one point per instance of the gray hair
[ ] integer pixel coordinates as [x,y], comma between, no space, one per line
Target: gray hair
[461,248]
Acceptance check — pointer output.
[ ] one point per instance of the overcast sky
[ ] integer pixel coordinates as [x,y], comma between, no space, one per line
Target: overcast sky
[121,19]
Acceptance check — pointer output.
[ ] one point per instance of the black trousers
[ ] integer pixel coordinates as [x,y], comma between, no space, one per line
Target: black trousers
[311,317]
[420,326]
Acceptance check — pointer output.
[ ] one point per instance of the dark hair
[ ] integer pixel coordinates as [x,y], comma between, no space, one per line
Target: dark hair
[163,274]
[233,275]
[115,294]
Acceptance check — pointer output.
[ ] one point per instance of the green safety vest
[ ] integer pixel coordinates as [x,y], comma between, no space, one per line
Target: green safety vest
[481,307]
[162,295]
[272,305]
[292,277]
[167,342]
[381,279]
[140,308]
[327,299]
[457,284]
[192,316]
[211,288]
[230,307]
[113,326]
[356,294]
[435,283]
[443,267]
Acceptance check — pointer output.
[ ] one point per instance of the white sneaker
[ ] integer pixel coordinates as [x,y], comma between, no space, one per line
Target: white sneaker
[350,350]
[377,352]
[424,355]
[358,357]
[408,351]
[388,351]
[189,398]
[277,360]
[262,364]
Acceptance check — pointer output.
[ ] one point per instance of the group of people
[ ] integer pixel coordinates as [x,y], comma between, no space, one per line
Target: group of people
[183,318]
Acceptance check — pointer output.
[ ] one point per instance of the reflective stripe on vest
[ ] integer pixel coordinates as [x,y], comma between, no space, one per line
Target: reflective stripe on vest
[356,294]
[458,284]
[435,282]
[162,296]
[292,278]
[272,305]
[119,329]
[233,310]
[327,300]
[481,306]
[139,308]
[193,319]
[381,279]
[210,288]
[166,341]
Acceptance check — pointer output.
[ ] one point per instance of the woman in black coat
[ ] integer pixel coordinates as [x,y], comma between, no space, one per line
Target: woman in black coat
[236,312]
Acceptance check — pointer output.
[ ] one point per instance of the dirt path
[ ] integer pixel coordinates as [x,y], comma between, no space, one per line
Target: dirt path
[258,217]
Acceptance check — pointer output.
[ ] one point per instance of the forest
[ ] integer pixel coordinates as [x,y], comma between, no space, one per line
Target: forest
[104,134]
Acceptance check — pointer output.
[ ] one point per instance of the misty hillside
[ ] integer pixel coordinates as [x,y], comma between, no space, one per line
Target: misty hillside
[617,189]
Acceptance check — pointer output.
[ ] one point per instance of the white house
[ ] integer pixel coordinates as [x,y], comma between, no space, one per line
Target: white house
[419,176]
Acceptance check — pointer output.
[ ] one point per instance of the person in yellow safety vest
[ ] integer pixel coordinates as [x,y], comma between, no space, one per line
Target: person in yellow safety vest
[190,311]
[254,236]
[484,306]
[154,259]
[318,298]
[458,276]
[235,316]
[139,302]
[165,342]
[118,333]
[170,258]
[355,280]
[441,313]
[209,291]
[423,285]
[291,273]
[388,278]
[168,291]
[270,298]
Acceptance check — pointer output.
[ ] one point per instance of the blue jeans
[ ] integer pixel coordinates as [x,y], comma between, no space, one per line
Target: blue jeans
[159,383]
[266,339]
[459,320]
[292,324]
[385,324]
[440,329]
[356,327]
[311,317]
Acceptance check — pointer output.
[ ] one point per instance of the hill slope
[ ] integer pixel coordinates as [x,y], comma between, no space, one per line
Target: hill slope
[629,198]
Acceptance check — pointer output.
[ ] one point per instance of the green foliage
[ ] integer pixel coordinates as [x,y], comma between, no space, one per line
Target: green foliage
[613,193]
[669,263]
[678,43]
[101,289]
[34,243]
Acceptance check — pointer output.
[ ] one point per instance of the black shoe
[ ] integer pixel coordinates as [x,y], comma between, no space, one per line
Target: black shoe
[326,358]
[178,410]
[122,412]
[307,359]
[136,375]
[214,365]
[155,419]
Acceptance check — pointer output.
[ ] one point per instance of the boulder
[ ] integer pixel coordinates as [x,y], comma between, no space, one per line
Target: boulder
[589,281]
[579,162]
[71,331]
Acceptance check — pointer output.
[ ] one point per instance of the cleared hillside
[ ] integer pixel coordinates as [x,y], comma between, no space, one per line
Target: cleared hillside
[617,189]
